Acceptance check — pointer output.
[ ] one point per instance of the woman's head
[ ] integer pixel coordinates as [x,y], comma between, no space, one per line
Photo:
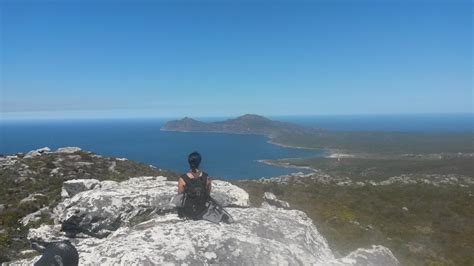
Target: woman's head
[194,159]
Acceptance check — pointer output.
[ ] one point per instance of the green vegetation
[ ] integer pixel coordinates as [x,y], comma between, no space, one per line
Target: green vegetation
[377,169]
[421,224]
[381,142]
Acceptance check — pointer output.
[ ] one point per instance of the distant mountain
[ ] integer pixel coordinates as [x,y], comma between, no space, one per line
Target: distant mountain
[246,124]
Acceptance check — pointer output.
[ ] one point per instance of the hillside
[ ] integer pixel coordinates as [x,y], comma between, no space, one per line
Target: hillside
[55,196]
[31,187]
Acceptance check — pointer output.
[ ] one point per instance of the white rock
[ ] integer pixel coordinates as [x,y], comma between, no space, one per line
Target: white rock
[37,152]
[68,150]
[258,236]
[375,256]
[272,200]
[110,204]
[74,186]
[46,233]
[229,195]
[54,171]
[28,252]
[35,199]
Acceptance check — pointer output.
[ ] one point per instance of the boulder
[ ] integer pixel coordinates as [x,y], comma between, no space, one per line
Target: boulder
[229,195]
[270,199]
[98,208]
[33,202]
[37,152]
[72,187]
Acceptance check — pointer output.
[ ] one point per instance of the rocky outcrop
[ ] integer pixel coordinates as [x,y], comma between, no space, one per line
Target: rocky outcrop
[37,152]
[102,207]
[133,222]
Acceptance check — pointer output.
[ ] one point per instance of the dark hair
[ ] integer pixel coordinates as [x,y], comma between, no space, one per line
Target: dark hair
[194,159]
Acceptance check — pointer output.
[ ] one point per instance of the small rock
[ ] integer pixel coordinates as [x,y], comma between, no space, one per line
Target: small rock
[405,209]
[75,186]
[2,208]
[35,216]
[55,171]
[272,200]
[33,201]
[28,252]
[210,255]
[68,150]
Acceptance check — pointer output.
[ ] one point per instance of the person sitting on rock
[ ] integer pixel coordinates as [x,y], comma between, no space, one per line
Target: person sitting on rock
[195,186]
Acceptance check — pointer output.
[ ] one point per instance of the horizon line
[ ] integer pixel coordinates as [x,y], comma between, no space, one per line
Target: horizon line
[5,119]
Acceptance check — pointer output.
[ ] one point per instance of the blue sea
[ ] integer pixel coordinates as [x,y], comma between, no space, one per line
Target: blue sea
[224,155]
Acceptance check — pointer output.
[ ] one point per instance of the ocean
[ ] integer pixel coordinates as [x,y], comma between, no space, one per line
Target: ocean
[224,155]
[411,123]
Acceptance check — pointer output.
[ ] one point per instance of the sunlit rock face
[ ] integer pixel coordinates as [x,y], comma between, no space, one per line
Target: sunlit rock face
[134,222]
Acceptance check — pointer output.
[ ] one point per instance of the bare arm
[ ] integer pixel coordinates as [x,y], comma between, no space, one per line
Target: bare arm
[181,185]
[209,185]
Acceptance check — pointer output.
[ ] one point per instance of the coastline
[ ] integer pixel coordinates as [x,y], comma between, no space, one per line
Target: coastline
[273,142]
[278,163]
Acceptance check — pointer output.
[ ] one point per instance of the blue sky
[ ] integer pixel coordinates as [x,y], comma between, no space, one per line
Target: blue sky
[224,58]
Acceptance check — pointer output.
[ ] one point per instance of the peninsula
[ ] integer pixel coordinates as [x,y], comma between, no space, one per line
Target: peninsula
[245,124]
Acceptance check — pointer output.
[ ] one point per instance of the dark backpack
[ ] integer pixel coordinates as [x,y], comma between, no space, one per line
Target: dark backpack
[195,196]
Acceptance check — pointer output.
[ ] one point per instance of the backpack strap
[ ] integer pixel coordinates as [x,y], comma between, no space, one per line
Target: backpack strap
[204,177]
[186,178]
